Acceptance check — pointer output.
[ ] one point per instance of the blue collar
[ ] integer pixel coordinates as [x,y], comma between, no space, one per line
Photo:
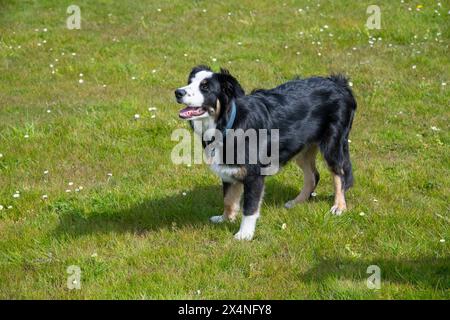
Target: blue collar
[231,118]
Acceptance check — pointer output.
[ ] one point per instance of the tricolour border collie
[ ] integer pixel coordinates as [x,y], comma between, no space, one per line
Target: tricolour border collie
[311,115]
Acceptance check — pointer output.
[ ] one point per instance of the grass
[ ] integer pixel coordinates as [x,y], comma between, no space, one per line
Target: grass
[143,233]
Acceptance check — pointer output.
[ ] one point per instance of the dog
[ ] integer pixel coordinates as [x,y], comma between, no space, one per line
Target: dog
[311,115]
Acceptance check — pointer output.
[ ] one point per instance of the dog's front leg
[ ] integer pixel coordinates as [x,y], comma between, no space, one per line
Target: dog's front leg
[253,194]
[231,202]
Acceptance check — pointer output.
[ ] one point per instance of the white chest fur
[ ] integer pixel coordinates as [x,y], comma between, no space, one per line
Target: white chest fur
[213,154]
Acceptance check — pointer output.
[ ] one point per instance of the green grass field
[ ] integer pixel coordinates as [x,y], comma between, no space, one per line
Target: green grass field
[97,188]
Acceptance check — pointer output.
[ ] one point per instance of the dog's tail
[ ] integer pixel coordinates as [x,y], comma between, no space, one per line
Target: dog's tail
[350,104]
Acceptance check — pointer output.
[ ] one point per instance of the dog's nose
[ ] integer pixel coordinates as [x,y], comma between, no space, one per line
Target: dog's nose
[180,93]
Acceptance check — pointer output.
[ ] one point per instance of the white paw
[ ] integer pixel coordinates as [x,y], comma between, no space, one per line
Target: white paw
[247,228]
[337,210]
[217,219]
[244,235]
[290,204]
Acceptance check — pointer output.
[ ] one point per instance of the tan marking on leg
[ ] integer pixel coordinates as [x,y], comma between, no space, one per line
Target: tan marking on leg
[306,160]
[241,173]
[339,196]
[232,201]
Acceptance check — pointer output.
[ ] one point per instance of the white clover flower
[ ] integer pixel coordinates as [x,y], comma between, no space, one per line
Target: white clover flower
[184,193]
[109,174]
[45,196]
[1,207]
[434,128]
[442,240]
[136,116]
[1,155]
[46,172]
[16,195]
[9,207]
[81,81]
[284,226]
[26,136]
[68,190]
[362,214]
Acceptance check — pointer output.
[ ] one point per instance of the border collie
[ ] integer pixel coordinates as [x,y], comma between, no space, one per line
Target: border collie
[311,115]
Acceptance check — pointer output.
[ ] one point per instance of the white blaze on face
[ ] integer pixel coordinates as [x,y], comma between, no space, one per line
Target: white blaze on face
[194,97]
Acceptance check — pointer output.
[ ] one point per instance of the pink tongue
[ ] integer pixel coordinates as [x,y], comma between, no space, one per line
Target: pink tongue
[190,112]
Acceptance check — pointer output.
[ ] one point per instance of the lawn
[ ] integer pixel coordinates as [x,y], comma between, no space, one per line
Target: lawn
[83,183]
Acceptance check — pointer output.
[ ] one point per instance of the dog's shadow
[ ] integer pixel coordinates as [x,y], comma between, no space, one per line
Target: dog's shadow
[192,208]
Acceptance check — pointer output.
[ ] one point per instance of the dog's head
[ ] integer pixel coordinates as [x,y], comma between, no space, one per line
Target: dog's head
[208,94]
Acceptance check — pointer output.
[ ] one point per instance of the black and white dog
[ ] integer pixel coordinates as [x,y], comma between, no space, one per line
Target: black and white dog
[310,114]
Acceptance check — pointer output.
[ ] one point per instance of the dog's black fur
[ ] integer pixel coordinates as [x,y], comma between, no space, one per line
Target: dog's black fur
[313,111]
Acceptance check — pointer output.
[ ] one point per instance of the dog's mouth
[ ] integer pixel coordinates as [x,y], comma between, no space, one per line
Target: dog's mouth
[191,112]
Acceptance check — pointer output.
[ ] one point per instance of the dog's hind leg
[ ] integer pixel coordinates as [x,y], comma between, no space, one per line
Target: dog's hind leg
[337,158]
[231,199]
[306,160]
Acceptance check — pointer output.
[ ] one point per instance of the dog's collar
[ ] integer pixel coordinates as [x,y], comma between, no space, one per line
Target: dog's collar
[232,117]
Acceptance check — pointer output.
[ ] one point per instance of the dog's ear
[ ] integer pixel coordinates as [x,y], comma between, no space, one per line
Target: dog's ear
[197,69]
[229,85]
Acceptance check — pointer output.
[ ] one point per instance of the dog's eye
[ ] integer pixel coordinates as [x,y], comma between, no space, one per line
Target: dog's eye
[204,86]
